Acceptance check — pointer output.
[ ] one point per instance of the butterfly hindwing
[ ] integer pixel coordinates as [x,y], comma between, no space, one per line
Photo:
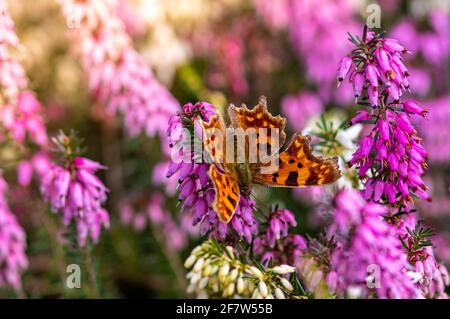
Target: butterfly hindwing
[227,193]
[297,166]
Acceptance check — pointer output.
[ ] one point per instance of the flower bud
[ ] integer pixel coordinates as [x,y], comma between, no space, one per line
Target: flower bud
[279,294]
[223,271]
[198,265]
[240,286]
[190,261]
[252,270]
[263,290]
[286,284]
[283,269]
[233,275]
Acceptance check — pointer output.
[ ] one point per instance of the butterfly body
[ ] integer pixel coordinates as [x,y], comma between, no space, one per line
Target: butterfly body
[245,178]
[295,166]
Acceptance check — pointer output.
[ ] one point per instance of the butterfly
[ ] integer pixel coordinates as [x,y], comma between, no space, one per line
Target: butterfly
[296,166]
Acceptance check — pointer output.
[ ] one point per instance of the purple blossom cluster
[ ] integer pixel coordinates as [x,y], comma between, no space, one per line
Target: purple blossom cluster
[391,158]
[20,111]
[300,108]
[12,244]
[368,260]
[118,76]
[276,244]
[154,212]
[430,276]
[79,194]
[196,191]
[436,130]
[308,23]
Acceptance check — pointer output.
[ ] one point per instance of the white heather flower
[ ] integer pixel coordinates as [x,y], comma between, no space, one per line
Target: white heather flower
[283,269]
[202,295]
[263,290]
[354,292]
[230,251]
[286,284]
[195,278]
[279,294]
[223,272]
[191,288]
[230,289]
[415,276]
[252,270]
[240,285]
[198,265]
[190,261]
[347,139]
[233,275]
[203,282]
[207,270]
[214,274]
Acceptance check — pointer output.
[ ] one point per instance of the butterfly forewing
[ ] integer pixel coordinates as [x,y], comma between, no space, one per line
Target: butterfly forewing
[269,129]
[214,140]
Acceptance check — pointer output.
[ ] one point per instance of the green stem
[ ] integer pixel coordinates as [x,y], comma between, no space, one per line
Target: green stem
[92,290]
[57,249]
[172,257]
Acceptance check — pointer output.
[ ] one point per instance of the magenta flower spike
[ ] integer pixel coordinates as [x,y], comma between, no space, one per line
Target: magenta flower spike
[392,146]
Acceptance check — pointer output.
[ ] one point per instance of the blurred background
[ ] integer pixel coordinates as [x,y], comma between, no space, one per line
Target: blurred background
[222,51]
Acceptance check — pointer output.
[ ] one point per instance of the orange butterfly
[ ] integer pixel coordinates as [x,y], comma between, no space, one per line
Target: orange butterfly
[296,166]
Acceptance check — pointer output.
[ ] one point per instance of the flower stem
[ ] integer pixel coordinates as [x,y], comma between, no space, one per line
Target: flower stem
[172,257]
[92,290]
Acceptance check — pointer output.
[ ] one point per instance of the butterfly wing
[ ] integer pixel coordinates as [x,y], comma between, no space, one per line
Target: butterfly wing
[227,193]
[259,118]
[297,166]
[222,175]
[214,139]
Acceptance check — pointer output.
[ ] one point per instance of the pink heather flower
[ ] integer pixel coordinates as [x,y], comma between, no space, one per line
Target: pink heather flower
[360,116]
[12,244]
[118,76]
[392,151]
[279,222]
[75,191]
[154,213]
[344,68]
[12,75]
[300,108]
[413,107]
[364,239]
[274,13]
[430,277]
[308,23]
[436,128]
[275,244]
[196,191]
[384,74]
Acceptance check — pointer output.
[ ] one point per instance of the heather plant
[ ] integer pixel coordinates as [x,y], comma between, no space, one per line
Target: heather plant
[113,183]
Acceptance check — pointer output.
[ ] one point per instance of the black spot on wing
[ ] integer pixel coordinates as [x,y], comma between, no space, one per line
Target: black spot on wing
[292,178]
[274,177]
[232,200]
